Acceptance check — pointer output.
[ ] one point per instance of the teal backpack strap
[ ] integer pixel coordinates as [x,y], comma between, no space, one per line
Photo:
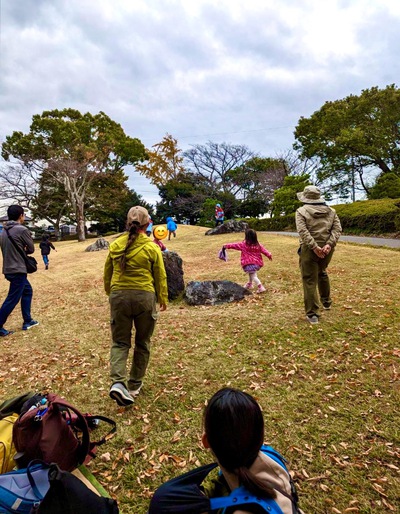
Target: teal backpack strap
[241,498]
[274,455]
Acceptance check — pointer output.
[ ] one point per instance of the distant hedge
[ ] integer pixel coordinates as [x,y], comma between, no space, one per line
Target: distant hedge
[371,216]
[279,223]
[361,217]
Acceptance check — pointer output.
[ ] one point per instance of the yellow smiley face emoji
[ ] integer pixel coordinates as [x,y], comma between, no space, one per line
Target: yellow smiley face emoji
[160,232]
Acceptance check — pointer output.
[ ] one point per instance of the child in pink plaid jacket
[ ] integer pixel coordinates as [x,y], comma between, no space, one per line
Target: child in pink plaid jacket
[251,258]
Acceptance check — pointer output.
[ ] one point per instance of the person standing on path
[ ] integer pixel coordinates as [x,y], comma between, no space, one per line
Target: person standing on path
[14,269]
[319,229]
[135,279]
[45,247]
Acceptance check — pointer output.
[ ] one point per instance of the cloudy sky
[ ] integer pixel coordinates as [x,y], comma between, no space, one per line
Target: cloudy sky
[237,71]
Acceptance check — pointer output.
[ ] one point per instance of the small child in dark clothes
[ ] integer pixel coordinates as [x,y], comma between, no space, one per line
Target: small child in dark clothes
[45,246]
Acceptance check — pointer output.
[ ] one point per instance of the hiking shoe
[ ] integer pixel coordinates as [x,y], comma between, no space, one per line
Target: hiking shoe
[120,394]
[4,332]
[261,289]
[248,285]
[29,324]
[46,267]
[326,306]
[312,319]
[135,392]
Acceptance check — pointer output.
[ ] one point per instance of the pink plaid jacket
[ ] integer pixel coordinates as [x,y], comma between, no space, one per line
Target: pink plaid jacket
[251,254]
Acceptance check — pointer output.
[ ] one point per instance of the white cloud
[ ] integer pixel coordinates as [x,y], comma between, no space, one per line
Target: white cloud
[226,70]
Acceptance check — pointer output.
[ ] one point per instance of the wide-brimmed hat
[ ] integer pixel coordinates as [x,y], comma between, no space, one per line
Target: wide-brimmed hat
[311,194]
[138,214]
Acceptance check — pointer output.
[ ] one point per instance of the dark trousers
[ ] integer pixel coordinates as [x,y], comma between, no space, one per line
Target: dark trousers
[20,289]
[315,277]
[131,308]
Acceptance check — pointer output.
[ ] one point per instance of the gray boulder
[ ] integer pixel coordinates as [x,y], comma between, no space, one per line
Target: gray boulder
[227,227]
[213,292]
[99,244]
[173,267]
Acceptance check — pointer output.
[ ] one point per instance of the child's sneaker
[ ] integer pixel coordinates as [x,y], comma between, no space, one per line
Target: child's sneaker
[30,324]
[261,289]
[248,285]
[4,332]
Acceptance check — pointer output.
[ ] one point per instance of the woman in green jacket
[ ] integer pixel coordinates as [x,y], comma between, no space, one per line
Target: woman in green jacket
[135,279]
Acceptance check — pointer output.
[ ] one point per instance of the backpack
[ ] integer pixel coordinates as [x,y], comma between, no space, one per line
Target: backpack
[45,489]
[7,448]
[183,495]
[9,411]
[51,429]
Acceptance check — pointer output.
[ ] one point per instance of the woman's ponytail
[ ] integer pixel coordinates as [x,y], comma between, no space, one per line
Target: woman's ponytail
[253,484]
[133,233]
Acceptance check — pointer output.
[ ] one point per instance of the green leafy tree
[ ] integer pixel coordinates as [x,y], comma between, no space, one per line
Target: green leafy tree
[258,178]
[114,220]
[164,162]
[73,148]
[51,202]
[387,186]
[354,135]
[182,197]
[285,198]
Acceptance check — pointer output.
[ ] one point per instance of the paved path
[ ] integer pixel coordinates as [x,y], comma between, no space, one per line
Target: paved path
[375,241]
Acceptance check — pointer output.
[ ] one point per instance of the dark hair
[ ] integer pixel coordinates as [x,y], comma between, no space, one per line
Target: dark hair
[250,236]
[14,212]
[234,426]
[45,237]
[133,233]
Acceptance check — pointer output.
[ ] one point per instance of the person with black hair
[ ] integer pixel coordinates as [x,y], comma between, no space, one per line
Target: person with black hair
[253,477]
[45,247]
[135,279]
[14,268]
[251,257]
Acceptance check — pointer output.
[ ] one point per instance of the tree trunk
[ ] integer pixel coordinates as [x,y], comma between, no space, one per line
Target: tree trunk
[80,222]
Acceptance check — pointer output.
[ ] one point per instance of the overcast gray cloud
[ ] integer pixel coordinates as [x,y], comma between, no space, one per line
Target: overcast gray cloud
[226,70]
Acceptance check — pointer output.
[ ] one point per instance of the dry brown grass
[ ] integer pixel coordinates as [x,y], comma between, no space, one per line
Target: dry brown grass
[330,393]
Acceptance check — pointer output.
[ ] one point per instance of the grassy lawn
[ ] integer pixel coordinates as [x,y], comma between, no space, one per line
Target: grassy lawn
[330,393]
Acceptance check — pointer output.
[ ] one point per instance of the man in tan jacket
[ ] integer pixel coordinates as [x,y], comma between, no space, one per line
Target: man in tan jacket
[319,229]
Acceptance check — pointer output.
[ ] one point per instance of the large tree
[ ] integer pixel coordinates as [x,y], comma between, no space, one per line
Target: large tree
[38,192]
[354,135]
[18,183]
[164,162]
[214,163]
[183,197]
[258,178]
[73,148]
[285,198]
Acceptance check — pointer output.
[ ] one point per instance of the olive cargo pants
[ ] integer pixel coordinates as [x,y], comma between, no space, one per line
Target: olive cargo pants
[314,275]
[131,308]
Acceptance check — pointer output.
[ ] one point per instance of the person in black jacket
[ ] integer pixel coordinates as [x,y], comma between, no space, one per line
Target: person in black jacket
[14,268]
[45,246]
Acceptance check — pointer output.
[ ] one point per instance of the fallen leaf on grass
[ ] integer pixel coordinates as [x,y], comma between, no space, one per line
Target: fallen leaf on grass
[176,437]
